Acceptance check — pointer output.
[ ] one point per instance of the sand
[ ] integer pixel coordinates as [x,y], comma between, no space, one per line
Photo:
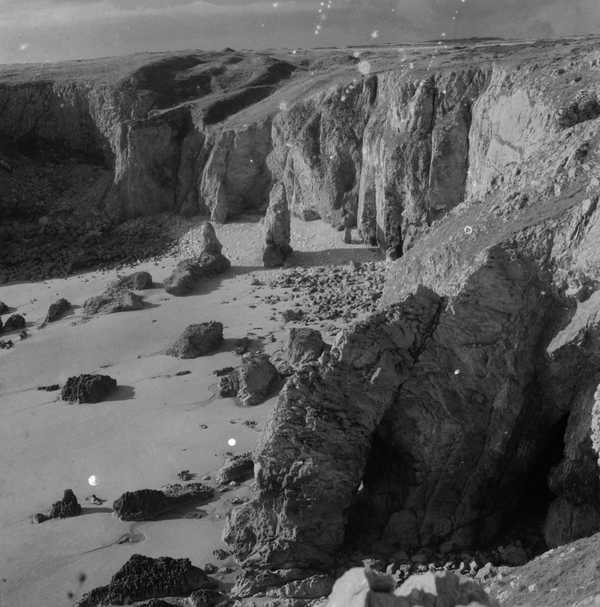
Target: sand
[147,432]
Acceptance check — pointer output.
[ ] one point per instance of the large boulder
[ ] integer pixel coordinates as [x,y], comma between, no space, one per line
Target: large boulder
[189,272]
[138,281]
[112,301]
[445,589]
[253,382]
[143,578]
[304,345]
[59,309]
[88,388]
[149,504]
[198,340]
[276,226]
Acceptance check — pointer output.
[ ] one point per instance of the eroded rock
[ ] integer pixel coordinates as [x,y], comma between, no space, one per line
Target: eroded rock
[304,345]
[198,340]
[15,322]
[138,281]
[238,469]
[88,388]
[277,229]
[59,309]
[112,301]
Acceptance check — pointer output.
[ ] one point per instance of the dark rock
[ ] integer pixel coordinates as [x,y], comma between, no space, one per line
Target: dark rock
[58,310]
[238,469]
[88,388]
[4,309]
[224,371]
[292,315]
[308,214]
[198,340]
[40,518]
[205,598]
[585,107]
[149,504]
[16,322]
[220,554]
[112,301]
[138,281]
[67,507]
[143,578]
[304,345]
[51,388]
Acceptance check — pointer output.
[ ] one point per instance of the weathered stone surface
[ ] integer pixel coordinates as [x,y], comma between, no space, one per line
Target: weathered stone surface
[149,504]
[112,301]
[238,468]
[189,272]
[198,340]
[88,388]
[444,589]
[15,322]
[138,281]
[143,578]
[67,507]
[304,345]
[256,379]
[277,229]
[58,310]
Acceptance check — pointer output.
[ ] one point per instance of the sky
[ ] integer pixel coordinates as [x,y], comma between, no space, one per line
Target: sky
[53,30]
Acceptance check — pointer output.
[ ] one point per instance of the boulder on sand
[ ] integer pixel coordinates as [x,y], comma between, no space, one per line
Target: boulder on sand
[143,578]
[138,281]
[210,262]
[111,301]
[67,507]
[198,340]
[88,388]
[304,345]
[3,308]
[16,322]
[277,229]
[58,310]
[253,382]
[149,504]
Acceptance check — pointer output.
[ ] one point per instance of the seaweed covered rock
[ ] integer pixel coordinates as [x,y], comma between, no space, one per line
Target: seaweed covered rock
[198,340]
[112,301]
[58,310]
[143,578]
[88,388]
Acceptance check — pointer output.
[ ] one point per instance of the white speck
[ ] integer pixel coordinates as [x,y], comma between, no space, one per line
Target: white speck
[456,371]
[24,46]
[375,34]
[411,65]
[468,230]
[275,4]
[364,67]
[283,106]
[356,54]
[92,481]
[294,52]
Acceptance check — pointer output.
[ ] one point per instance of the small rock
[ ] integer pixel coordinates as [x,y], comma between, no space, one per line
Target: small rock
[113,301]
[238,469]
[138,281]
[16,322]
[58,310]
[88,388]
[67,507]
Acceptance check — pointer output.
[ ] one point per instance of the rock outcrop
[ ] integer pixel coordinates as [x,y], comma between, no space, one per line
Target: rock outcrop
[209,263]
[198,340]
[67,507]
[143,578]
[304,345]
[88,388]
[277,229]
[138,281]
[15,322]
[237,469]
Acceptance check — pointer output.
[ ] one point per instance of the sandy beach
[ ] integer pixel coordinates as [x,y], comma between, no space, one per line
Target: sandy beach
[155,425]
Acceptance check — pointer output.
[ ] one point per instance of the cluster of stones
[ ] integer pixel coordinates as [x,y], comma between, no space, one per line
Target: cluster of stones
[333,293]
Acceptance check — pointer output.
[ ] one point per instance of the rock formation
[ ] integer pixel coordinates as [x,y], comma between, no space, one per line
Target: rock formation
[198,340]
[113,300]
[143,578]
[138,281]
[15,322]
[237,469]
[304,345]
[66,507]
[277,229]
[189,272]
[88,388]
[58,310]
